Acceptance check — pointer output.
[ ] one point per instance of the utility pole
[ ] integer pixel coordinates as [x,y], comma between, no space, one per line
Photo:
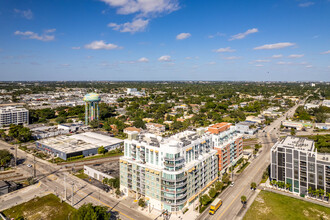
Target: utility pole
[34,167]
[64,188]
[72,194]
[16,156]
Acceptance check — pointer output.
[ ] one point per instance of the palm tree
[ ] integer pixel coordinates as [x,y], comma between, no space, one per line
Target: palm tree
[317,193]
[310,191]
[328,195]
[322,193]
[288,186]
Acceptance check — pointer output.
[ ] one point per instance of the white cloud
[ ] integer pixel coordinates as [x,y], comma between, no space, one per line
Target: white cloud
[326,52]
[65,65]
[309,66]
[284,63]
[183,36]
[218,34]
[143,7]
[24,13]
[212,63]
[296,55]
[232,58]
[50,30]
[306,4]
[274,46]
[137,25]
[262,61]
[277,56]
[101,45]
[35,36]
[143,60]
[243,35]
[165,58]
[259,65]
[223,50]
[75,48]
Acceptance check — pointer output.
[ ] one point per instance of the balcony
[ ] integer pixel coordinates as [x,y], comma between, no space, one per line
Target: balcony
[173,159]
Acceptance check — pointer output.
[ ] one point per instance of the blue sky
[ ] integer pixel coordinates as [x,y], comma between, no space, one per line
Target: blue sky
[287,40]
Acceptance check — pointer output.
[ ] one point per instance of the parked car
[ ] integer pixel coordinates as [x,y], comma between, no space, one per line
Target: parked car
[29,165]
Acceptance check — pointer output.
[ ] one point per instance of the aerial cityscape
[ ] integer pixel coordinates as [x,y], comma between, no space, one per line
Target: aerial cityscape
[164,109]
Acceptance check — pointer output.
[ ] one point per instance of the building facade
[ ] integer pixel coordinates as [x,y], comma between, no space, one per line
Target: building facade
[169,172]
[12,115]
[228,143]
[295,160]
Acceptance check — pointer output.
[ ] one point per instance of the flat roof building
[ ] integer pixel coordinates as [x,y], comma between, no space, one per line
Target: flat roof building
[228,143]
[85,144]
[13,115]
[170,172]
[294,160]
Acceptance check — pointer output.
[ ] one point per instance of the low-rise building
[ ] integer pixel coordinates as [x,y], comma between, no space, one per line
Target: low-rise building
[13,115]
[169,172]
[295,160]
[255,119]
[85,144]
[247,128]
[228,143]
[102,171]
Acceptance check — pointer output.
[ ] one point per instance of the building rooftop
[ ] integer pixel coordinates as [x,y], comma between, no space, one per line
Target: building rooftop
[298,143]
[80,142]
[183,139]
[111,168]
[10,109]
[219,127]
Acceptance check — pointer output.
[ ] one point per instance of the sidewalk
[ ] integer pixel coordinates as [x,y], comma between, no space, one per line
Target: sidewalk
[22,195]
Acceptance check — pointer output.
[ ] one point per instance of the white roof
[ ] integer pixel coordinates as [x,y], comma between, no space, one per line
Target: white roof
[80,142]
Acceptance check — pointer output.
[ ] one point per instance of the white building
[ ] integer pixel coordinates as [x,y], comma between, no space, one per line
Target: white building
[13,115]
[169,172]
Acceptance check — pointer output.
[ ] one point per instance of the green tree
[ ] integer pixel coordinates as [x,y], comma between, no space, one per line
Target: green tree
[204,199]
[60,120]
[253,185]
[293,132]
[118,193]
[139,124]
[243,199]
[142,203]
[90,212]
[218,186]
[101,150]
[288,186]
[5,158]
[94,124]
[212,192]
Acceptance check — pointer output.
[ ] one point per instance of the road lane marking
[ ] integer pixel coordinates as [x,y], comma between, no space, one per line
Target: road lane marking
[235,197]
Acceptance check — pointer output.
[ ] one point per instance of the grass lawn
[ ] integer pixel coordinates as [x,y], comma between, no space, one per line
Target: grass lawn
[80,174]
[247,147]
[274,206]
[48,207]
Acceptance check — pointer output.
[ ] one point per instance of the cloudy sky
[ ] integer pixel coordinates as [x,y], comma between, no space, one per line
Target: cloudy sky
[286,40]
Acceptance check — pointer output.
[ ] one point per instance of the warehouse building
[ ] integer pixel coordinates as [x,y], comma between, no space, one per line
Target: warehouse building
[85,144]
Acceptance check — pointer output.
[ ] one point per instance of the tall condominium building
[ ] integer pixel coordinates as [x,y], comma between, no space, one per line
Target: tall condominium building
[295,160]
[13,115]
[170,172]
[228,143]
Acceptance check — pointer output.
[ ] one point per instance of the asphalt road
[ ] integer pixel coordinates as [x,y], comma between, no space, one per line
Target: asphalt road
[51,179]
[231,197]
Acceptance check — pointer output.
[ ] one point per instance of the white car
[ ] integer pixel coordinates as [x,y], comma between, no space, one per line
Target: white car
[29,165]
[232,183]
